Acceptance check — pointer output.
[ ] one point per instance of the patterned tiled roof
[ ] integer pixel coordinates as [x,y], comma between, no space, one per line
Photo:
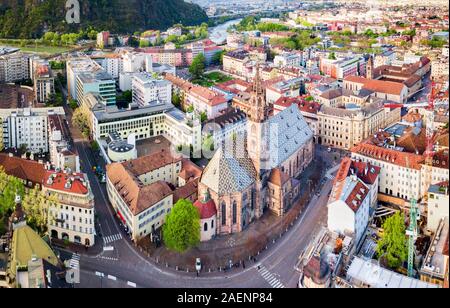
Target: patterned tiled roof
[229,171]
[288,132]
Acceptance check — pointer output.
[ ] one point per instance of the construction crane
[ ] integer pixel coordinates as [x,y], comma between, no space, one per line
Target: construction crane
[412,231]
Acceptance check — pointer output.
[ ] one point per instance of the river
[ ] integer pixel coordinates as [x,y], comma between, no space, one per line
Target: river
[219,33]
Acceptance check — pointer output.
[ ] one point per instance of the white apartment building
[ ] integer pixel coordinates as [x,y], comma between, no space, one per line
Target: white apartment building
[348,208]
[77,66]
[438,205]
[134,62]
[148,90]
[27,127]
[73,217]
[112,64]
[288,59]
[14,67]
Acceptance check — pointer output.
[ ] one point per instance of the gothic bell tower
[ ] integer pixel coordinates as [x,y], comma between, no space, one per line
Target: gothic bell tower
[257,126]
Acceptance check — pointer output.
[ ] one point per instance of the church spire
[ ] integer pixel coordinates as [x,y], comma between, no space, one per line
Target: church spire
[258,107]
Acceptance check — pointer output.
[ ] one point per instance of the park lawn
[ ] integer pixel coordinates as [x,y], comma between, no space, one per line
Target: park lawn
[40,49]
[211,79]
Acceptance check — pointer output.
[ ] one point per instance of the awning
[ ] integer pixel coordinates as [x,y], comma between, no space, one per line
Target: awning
[121,217]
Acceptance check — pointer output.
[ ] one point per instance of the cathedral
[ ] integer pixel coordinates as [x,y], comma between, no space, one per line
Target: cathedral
[249,175]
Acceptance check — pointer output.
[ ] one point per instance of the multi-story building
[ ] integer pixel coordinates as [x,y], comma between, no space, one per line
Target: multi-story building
[204,100]
[44,82]
[387,90]
[285,88]
[103,39]
[435,267]
[134,62]
[288,59]
[237,63]
[348,207]
[384,58]
[72,217]
[231,122]
[27,128]
[342,68]
[77,66]
[344,128]
[113,64]
[14,67]
[148,90]
[438,207]
[61,157]
[440,69]
[139,191]
[147,122]
[403,170]
[99,82]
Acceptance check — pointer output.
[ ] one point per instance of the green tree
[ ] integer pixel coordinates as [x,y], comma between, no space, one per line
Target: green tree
[81,121]
[332,56]
[393,243]
[203,117]
[9,187]
[176,100]
[197,67]
[35,204]
[182,228]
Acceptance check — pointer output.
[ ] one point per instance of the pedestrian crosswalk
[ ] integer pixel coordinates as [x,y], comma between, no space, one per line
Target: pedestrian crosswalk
[76,257]
[270,278]
[330,177]
[109,258]
[112,238]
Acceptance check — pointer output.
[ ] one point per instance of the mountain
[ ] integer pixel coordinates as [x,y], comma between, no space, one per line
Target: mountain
[30,18]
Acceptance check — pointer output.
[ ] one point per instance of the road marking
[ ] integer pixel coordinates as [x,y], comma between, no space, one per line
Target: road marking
[112,238]
[108,258]
[76,257]
[131,284]
[112,277]
[273,281]
[108,248]
[99,274]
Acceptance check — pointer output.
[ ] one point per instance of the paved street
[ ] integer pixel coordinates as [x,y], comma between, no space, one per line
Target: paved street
[125,265]
[121,265]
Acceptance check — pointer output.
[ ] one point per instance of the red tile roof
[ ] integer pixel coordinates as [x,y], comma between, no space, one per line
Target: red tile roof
[207,96]
[389,155]
[27,170]
[389,87]
[57,181]
[357,196]
[206,210]
[277,177]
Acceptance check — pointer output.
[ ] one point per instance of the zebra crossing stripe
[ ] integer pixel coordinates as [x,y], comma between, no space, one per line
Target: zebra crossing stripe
[270,278]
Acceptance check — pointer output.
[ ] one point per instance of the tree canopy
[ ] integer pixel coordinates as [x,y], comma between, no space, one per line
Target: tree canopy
[9,187]
[181,230]
[393,243]
[197,67]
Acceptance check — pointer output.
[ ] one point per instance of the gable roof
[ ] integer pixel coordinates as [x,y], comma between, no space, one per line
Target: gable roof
[27,170]
[137,196]
[389,87]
